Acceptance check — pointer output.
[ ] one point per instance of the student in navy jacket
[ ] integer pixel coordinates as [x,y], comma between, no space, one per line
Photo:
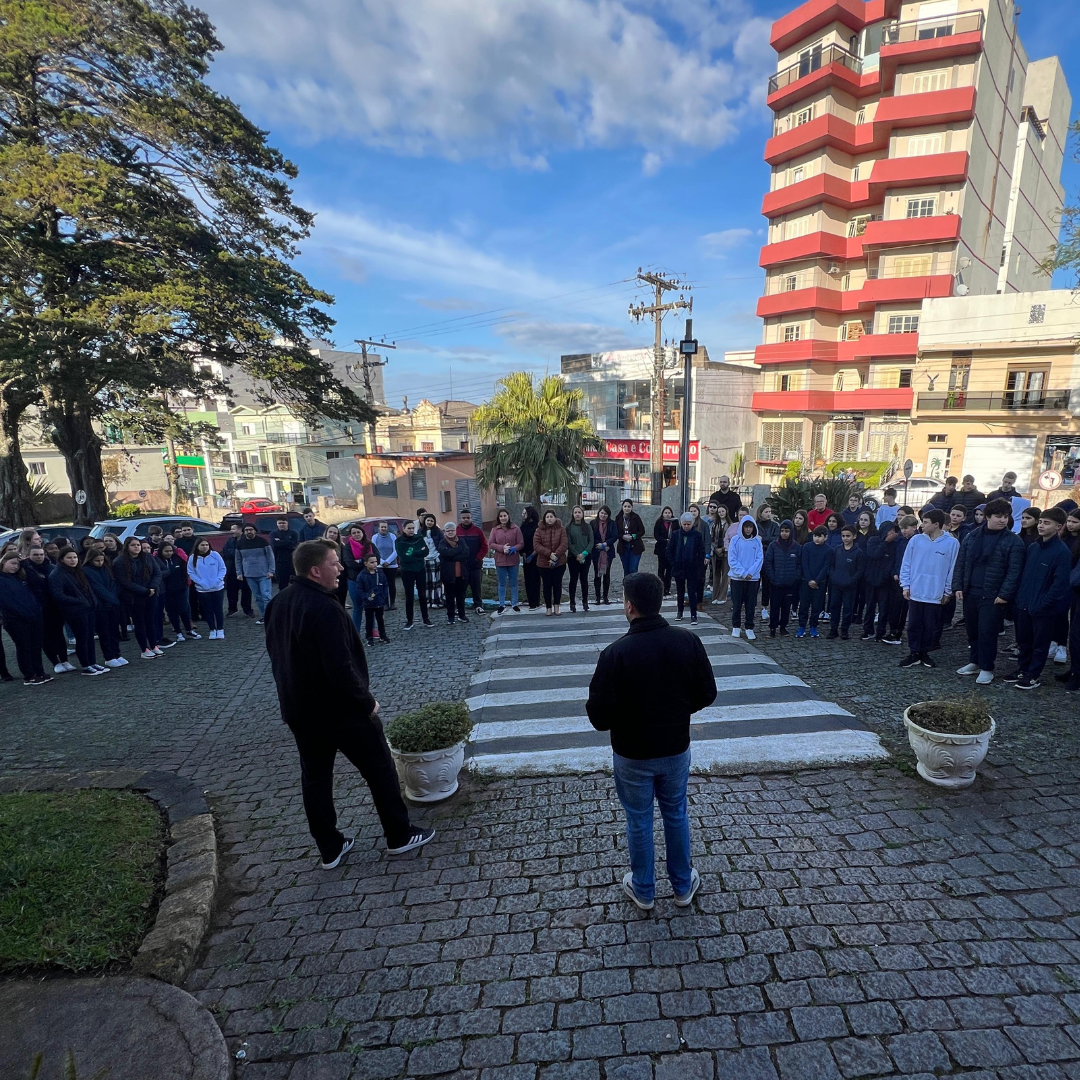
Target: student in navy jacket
[881,564]
[374,592]
[107,603]
[1044,592]
[782,567]
[898,606]
[21,614]
[139,580]
[815,563]
[846,572]
[173,599]
[75,598]
[53,639]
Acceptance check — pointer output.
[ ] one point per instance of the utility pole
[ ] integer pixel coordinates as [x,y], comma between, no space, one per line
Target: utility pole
[366,366]
[688,349]
[658,309]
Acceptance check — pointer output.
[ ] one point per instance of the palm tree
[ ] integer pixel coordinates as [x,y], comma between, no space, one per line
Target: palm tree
[533,436]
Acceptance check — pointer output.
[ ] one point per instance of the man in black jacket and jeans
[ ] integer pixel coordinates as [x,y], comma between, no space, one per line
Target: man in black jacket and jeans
[649,721]
[322,682]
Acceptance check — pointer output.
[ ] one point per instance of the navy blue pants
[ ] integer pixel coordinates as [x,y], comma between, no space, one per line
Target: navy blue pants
[923,623]
[841,603]
[878,600]
[1033,634]
[982,618]
[780,605]
[811,602]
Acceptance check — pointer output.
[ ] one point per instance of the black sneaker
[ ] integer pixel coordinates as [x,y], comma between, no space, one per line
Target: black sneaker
[228,615]
[868,637]
[926,661]
[166,643]
[783,631]
[911,660]
[428,622]
[461,618]
[1012,677]
[370,642]
[408,626]
[345,847]
[1074,686]
[892,639]
[845,636]
[832,634]
[1065,676]
[516,608]
[383,639]
[417,838]
[1027,683]
[772,632]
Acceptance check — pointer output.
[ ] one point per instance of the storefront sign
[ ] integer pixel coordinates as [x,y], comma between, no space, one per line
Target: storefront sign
[639,449]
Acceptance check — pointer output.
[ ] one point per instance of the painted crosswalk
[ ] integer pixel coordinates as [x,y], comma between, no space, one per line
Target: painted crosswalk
[528,702]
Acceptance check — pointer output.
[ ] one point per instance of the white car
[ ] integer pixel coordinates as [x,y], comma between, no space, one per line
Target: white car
[918,490]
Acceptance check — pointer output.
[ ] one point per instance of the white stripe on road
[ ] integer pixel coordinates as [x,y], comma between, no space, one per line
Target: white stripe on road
[575,693]
[573,725]
[761,752]
[568,670]
[584,646]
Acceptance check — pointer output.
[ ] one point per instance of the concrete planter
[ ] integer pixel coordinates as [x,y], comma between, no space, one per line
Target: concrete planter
[948,761]
[431,776]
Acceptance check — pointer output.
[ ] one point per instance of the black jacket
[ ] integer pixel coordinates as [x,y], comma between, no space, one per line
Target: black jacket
[650,718]
[968,500]
[449,555]
[663,532]
[1004,566]
[284,544]
[318,660]
[847,566]
[881,562]
[731,499]
[71,591]
[686,553]
[136,577]
[635,527]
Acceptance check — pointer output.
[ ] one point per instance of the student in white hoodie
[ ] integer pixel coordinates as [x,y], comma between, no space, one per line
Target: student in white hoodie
[926,578]
[206,569]
[745,555]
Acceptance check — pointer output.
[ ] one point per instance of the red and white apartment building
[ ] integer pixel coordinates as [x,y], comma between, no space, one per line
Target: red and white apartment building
[916,154]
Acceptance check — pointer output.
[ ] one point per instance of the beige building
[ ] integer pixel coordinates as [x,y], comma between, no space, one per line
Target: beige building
[997,388]
[427,428]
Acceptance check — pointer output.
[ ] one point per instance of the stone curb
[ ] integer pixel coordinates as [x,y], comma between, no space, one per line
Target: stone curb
[169,949]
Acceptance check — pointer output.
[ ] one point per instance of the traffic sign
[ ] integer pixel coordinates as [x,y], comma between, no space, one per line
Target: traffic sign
[80,497]
[909,468]
[1050,480]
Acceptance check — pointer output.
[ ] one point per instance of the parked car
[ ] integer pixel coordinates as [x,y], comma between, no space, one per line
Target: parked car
[259,506]
[140,527]
[74,533]
[370,525]
[919,490]
[264,522]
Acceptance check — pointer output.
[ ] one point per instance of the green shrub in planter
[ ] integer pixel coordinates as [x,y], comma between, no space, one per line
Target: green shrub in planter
[435,726]
[126,510]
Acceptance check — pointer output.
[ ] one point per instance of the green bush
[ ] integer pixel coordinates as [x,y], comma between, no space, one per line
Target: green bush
[793,470]
[795,495]
[127,510]
[435,726]
[871,473]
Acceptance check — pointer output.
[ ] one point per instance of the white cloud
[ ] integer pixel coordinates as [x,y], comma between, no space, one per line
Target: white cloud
[501,79]
[552,339]
[445,303]
[716,245]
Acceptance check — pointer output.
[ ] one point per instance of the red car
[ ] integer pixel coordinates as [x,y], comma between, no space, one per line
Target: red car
[260,506]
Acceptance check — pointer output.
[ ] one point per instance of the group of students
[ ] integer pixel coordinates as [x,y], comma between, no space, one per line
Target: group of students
[55,596]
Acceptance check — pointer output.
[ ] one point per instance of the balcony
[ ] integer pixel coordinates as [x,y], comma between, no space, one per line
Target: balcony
[866,399]
[907,110]
[823,65]
[813,245]
[815,15]
[287,438]
[1008,401]
[920,41]
[789,352]
[251,470]
[890,290]
[904,232]
[878,347]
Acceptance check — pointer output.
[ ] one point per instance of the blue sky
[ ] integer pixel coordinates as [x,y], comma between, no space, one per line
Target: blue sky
[487,174]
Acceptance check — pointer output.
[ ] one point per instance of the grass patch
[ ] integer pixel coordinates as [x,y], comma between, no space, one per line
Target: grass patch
[78,875]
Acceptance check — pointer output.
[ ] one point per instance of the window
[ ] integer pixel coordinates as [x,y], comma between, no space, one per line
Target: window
[332,454]
[780,440]
[920,207]
[904,324]
[857,225]
[797,226]
[384,483]
[407,448]
[921,145]
[804,116]
[855,172]
[282,460]
[926,81]
[861,117]
[247,429]
[791,283]
[445,502]
[940,439]
[798,173]
[427,447]
[852,331]
[911,266]
[793,332]
[1004,255]
[959,374]
[905,378]
[36,468]
[785,382]
[464,444]
[839,384]
[845,441]
[418,484]
[809,60]
[1025,388]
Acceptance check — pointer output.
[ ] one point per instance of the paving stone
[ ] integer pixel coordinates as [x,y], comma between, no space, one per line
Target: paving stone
[745,1065]
[543,1046]
[1039,1044]
[983,1049]
[763,1029]
[873,1018]
[861,1057]
[484,1053]
[686,1067]
[806,1061]
[710,1033]
[651,1037]
[638,1068]
[819,1022]
[918,1052]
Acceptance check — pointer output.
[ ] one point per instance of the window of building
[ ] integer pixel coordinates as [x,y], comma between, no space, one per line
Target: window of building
[785,382]
[905,378]
[781,440]
[407,448]
[853,330]
[857,225]
[887,441]
[845,441]
[810,60]
[920,207]
[839,382]
[861,116]
[927,81]
[36,468]
[921,145]
[247,429]
[464,444]
[384,483]
[817,441]
[791,282]
[793,332]
[418,484]
[445,502]
[903,324]
[959,373]
[427,447]
[1025,387]
[856,171]
[804,116]
[911,266]
[331,455]
[797,226]
[282,460]
[798,173]
[937,439]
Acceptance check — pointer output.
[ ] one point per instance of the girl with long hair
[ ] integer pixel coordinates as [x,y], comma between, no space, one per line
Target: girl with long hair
[579,553]
[605,537]
[663,532]
[75,598]
[550,543]
[720,581]
[139,581]
[20,615]
[530,522]
[206,569]
[800,528]
[107,614]
[333,534]
[432,535]
[506,543]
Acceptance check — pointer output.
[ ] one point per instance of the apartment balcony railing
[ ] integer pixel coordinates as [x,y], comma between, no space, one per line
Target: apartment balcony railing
[251,470]
[288,438]
[775,452]
[900,33]
[818,57]
[1006,401]
[802,279]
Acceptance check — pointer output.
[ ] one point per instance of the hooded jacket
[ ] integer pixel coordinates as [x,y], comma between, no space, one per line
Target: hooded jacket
[927,568]
[411,553]
[815,563]
[136,577]
[174,579]
[848,566]
[1003,554]
[881,561]
[103,585]
[37,577]
[17,600]
[550,542]
[373,588]
[686,553]
[1044,586]
[745,554]
[769,532]
[71,591]
[254,558]
[207,572]
[781,563]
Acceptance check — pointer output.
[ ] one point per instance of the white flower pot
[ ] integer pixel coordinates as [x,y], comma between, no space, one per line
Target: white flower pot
[948,761]
[430,776]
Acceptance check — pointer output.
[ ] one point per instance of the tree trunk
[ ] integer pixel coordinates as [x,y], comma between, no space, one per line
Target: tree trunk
[75,438]
[172,474]
[16,499]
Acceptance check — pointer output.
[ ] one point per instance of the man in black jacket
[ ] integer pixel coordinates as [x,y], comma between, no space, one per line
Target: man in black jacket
[284,542]
[322,681]
[649,721]
[726,495]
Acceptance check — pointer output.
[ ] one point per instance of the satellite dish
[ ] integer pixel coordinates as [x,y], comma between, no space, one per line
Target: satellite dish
[961,289]
[964,263]
[834,270]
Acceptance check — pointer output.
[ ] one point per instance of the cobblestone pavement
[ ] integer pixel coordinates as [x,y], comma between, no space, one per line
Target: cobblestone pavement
[852,922]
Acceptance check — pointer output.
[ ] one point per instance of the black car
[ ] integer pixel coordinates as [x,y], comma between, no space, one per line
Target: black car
[48,533]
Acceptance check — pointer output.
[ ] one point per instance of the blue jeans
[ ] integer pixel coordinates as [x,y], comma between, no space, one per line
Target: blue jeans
[629,560]
[261,591]
[508,581]
[638,783]
[357,607]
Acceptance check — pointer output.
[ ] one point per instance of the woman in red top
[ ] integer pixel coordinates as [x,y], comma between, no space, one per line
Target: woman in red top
[506,543]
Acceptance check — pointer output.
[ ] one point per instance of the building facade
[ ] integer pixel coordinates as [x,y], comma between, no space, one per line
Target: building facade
[916,154]
[427,428]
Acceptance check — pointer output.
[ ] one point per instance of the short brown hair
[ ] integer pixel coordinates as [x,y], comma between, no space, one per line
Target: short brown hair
[1055,514]
[909,522]
[311,553]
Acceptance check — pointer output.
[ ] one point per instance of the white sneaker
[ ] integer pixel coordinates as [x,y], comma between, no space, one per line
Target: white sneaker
[157,651]
[221,635]
[764,613]
[115,663]
[121,662]
[149,654]
[179,637]
[1062,655]
[60,668]
[968,669]
[192,634]
[736,632]
[751,636]
[985,678]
